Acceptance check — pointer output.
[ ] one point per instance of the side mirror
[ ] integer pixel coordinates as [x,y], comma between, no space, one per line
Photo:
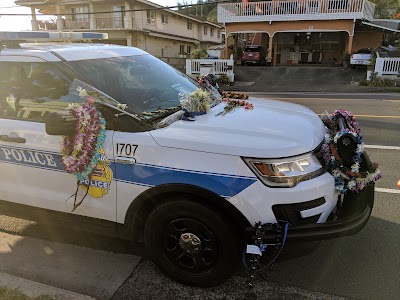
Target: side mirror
[60,123]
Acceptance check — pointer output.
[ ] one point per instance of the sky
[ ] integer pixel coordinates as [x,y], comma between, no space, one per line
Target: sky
[24,23]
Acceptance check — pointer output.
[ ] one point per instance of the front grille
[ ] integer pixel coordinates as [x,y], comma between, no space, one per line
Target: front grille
[291,212]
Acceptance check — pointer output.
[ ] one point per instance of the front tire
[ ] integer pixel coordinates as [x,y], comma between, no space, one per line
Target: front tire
[192,243]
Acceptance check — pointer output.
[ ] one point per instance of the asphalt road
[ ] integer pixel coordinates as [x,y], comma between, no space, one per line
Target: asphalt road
[365,266]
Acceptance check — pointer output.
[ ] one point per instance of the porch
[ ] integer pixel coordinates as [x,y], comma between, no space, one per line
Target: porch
[295,10]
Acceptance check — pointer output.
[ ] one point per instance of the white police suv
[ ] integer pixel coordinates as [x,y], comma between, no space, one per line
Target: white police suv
[189,187]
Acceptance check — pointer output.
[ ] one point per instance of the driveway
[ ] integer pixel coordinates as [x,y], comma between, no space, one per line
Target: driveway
[313,78]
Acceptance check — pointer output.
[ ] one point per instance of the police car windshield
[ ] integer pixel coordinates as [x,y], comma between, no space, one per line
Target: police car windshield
[143,82]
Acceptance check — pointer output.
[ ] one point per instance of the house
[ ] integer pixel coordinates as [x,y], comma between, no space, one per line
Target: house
[304,31]
[164,33]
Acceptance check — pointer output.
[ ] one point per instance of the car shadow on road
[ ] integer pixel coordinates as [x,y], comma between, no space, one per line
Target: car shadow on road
[364,266]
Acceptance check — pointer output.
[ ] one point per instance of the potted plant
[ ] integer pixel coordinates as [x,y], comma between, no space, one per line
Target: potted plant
[371,67]
[346,60]
[182,54]
[198,54]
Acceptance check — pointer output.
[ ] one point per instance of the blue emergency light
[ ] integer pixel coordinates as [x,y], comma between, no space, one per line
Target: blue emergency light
[50,36]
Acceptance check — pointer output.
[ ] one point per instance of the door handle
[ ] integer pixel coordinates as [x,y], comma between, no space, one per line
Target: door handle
[125,160]
[12,139]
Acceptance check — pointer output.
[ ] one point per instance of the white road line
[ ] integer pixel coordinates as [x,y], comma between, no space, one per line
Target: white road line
[390,191]
[382,147]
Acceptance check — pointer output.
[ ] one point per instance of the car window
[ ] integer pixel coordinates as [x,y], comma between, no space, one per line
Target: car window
[30,91]
[364,51]
[143,82]
[252,49]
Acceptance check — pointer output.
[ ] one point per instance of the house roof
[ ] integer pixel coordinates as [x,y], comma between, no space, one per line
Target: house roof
[384,24]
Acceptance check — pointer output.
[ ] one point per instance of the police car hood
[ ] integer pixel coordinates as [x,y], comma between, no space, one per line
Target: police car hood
[272,129]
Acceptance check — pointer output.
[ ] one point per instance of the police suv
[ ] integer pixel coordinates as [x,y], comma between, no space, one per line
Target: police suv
[188,188]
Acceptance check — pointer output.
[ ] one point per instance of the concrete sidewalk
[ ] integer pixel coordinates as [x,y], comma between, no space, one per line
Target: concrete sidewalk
[67,268]
[34,289]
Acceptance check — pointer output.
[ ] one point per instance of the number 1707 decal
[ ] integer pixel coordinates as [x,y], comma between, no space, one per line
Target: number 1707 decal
[126,150]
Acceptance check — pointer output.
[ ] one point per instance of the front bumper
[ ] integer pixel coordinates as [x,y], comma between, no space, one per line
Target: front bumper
[350,219]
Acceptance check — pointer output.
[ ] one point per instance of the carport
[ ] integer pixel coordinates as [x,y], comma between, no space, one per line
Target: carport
[309,47]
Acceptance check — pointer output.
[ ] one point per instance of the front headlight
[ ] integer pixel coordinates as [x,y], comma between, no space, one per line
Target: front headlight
[285,172]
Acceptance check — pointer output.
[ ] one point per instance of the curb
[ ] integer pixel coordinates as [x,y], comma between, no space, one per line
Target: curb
[35,289]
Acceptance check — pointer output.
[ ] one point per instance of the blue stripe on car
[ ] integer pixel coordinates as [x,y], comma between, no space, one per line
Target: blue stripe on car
[140,174]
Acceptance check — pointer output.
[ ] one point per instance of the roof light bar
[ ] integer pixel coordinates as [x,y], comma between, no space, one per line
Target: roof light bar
[50,36]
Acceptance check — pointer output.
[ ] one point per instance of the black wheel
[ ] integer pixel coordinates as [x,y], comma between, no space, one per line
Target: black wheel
[352,66]
[191,243]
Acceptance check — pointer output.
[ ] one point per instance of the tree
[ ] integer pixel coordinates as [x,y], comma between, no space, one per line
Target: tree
[386,9]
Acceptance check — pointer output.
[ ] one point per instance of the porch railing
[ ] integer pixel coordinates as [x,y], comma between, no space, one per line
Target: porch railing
[387,66]
[295,10]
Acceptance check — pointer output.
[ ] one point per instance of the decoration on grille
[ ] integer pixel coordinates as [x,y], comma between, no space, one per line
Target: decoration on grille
[343,134]
[259,247]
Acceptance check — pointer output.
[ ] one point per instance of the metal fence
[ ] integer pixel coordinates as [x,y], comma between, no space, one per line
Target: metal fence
[387,66]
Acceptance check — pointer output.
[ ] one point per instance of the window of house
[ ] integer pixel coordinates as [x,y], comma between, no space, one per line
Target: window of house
[189,49]
[151,16]
[182,48]
[218,33]
[80,13]
[189,25]
[118,16]
[164,18]
[211,31]
[205,30]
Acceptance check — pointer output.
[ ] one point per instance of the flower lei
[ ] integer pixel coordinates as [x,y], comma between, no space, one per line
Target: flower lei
[346,179]
[232,104]
[233,95]
[80,152]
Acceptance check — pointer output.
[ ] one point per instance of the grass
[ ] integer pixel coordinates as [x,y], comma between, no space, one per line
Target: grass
[13,294]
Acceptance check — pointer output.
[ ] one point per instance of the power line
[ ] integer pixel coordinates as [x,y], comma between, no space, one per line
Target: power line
[128,10]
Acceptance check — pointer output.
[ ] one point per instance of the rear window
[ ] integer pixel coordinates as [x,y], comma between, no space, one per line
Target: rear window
[364,51]
[252,49]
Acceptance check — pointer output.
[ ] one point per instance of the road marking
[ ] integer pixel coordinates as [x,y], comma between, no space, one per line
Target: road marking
[331,99]
[316,98]
[382,147]
[390,191]
[373,116]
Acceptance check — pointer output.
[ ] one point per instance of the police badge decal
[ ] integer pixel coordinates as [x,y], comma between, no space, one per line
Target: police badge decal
[99,183]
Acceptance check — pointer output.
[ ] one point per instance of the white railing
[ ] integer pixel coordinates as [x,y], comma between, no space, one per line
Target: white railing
[295,10]
[217,67]
[387,66]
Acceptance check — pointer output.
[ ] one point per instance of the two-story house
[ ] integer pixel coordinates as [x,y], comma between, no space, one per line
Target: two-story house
[303,31]
[162,32]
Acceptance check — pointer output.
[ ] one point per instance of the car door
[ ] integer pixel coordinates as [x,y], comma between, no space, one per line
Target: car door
[30,160]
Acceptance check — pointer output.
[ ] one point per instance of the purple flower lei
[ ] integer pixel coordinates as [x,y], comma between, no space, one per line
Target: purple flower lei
[346,179]
[80,152]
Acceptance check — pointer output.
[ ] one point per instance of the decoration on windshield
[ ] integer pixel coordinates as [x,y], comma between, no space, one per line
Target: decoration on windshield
[196,103]
[232,104]
[233,95]
[83,154]
[343,152]
[233,100]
